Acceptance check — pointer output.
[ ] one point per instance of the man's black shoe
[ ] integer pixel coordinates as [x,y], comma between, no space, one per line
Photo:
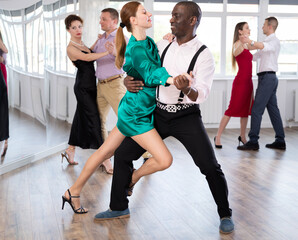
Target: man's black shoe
[277,145]
[249,146]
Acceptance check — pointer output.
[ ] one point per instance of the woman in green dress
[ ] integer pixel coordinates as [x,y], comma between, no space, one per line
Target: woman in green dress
[135,118]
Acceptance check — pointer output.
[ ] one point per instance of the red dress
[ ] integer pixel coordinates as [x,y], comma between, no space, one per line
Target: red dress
[3,69]
[242,90]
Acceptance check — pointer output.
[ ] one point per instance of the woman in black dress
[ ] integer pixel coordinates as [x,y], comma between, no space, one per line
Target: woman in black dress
[86,127]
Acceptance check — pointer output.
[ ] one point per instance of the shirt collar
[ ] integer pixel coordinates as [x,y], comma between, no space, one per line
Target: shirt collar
[112,34]
[272,35]
[190,43]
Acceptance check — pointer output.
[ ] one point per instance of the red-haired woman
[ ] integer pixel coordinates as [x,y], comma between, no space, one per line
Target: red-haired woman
[135,118]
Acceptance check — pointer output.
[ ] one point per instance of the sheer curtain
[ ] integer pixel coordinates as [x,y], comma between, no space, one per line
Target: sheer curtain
[90,11]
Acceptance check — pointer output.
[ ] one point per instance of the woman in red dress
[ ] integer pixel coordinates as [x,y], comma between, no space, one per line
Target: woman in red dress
[242,90]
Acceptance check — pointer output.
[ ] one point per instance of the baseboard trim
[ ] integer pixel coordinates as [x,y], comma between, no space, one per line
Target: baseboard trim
[7,167]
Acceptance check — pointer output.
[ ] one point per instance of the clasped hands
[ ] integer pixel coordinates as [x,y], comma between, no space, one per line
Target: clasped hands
[110,46]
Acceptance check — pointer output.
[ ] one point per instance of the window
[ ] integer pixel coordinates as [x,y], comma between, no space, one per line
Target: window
[161,26]
[243,6]
[57,45]
[210,5]
[40,52]
[288,36]
[118,4]
[56,36]
[63,53]
[18,32]
[209,33]
[29,45]
[164,5]
[287,33]
[49,44]
[283,6]
[6,39]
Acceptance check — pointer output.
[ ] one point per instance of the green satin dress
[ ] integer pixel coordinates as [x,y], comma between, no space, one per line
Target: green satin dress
[135,111]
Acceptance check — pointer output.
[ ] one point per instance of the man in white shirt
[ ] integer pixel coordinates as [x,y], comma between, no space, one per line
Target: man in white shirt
[266,90]
[177,114]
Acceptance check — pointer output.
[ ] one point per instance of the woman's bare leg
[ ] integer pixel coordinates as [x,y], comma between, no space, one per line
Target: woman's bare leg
[223,123]
[161,160]
[106,151]
[243,125]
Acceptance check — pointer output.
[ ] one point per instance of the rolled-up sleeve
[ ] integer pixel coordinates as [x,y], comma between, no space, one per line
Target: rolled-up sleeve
[152,73]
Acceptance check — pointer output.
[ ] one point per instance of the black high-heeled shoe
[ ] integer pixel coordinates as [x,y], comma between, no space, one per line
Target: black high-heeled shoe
[4,149]
[80,210]
[130,189]
[217,146]
[240,140]
[131,186]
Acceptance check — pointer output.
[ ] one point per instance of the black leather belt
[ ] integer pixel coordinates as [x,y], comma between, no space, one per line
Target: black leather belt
[263,73]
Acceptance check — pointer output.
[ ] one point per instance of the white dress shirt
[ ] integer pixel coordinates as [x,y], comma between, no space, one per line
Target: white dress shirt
[268,55]
[177,61]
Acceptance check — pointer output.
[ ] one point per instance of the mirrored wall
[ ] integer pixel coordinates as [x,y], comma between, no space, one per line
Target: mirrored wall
[40,81]
[41,78]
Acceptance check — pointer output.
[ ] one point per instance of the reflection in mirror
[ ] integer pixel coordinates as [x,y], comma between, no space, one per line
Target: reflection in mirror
[38,98]
[40,78]
[25,82]
[59,72]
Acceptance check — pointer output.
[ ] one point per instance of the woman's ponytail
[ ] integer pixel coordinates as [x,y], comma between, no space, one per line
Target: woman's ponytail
[120,48]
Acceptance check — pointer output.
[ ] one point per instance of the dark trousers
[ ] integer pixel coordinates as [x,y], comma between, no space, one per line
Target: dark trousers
[188,128]
[266,98]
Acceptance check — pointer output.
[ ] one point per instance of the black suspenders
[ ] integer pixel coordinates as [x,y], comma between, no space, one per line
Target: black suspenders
[190,68]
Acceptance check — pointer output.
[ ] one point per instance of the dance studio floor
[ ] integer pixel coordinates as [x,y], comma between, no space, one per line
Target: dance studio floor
[174,204]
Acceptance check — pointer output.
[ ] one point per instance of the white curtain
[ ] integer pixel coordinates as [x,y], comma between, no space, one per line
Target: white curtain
[90,11]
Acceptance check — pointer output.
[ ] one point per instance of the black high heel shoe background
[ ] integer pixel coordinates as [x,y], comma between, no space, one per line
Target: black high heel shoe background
[217,146]
[240,141]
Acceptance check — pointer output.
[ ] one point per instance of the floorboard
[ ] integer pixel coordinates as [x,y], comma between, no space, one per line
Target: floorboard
[174,204]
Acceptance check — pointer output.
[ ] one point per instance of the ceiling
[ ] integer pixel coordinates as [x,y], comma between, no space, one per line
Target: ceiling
[20,4]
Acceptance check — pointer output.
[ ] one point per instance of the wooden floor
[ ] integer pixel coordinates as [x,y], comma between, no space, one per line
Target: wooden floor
[27,136]
[174,204]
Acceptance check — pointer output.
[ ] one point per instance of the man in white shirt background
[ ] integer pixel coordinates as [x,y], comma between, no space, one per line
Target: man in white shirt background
[177,114]
[266,91]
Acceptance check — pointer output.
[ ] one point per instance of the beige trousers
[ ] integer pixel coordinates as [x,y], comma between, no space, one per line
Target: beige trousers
[109,95]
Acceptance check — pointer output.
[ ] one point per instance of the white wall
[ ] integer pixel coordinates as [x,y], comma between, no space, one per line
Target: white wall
[285,98]
[213,109]
[27,93]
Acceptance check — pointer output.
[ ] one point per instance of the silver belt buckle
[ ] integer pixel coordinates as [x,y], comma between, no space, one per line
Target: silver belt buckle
[171,108]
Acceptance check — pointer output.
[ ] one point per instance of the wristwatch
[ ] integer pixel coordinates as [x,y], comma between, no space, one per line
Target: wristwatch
[252,43]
